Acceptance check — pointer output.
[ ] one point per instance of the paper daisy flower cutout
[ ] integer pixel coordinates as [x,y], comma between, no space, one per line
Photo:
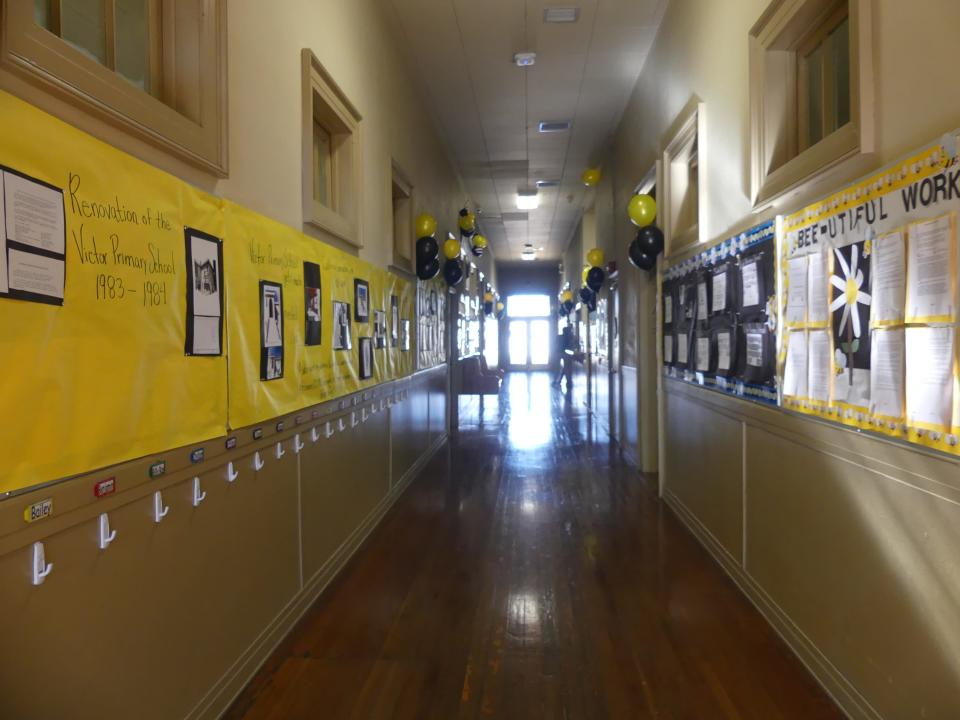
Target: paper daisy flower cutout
[851,294]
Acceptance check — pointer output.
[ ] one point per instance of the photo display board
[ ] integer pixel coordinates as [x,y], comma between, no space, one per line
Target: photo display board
[719,320]
[136,304]
[870,302]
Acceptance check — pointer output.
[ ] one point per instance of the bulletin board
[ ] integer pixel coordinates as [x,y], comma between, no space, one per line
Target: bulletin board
[869,302]
[98,375]
[132,302]
[719,316]
[432,298]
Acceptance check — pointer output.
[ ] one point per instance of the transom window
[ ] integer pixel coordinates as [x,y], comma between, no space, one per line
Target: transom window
[521,306]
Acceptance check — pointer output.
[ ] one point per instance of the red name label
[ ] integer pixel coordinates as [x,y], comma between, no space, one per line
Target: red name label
[105,487]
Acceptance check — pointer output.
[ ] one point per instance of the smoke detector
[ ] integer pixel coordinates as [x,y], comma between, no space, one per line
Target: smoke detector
[525,59]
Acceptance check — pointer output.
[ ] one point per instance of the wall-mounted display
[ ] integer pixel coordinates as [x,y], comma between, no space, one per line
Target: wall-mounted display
[341,326]
[271,330]
[361,300]
[204,284]
[312,304]
[404,335]
[366,357]
[380,328]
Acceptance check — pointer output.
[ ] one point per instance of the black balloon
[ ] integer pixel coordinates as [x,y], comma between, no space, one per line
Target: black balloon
[650,238]
[428,269]
[592,305]
[639,258]
[501,315]
[567,307]
[595,278]
[488,308]
[586,294]
[427,248]
[453,272]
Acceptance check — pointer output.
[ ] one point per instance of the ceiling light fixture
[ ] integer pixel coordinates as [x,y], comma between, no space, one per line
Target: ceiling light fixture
[547,183]
[525,59]
[528,253]
[561,14]
[527,200]
[548,126]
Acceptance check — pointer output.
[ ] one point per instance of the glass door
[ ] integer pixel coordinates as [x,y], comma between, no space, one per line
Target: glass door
[529,331]
[518,343]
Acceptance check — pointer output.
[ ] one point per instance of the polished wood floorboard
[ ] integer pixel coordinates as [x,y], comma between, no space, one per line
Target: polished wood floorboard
[530,573]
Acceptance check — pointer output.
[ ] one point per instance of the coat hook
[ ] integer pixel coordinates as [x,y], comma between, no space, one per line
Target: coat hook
[232,474]
[363,415]
[340,425]
[383,404]
[198,495]
[328,430]
[159,509]
[279,450]
[314,433]
[353,419]
[298,444]
[257,461]
[107,535]
[41,568]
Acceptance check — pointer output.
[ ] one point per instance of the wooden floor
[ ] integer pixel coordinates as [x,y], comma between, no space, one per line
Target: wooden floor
[530,573]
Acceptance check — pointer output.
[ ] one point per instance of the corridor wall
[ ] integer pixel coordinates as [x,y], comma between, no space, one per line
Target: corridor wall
[235,498]
[841,538]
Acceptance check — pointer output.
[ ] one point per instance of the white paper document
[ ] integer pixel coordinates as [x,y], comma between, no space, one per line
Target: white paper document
[682,348]
[755,349]
[889,277]
[818,311]
[797,291]
[886,373]
[34,213]
[930,376]
[667,309]
[719,292]
[750,282]
[795,370]
[703,354]
[819,365]
[668,348]
[36,274]
[206,335]
[702,308]
[930,271]
[723,351]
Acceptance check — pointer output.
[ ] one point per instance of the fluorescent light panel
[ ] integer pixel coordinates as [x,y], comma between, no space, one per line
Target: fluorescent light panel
[551,126]
[528,200]
[561,14]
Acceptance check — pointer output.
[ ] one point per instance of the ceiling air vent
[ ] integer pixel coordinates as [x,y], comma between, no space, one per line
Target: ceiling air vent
[547,183]
[556,126]
[561,14]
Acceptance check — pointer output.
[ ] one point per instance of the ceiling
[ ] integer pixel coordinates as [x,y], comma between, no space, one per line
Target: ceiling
[488,109]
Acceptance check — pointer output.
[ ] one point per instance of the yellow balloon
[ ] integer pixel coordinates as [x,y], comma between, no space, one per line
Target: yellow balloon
[499,306]
[566,296]
[591,176]
[583,275]
[642,210]
[425,225]
[468,222]
[451,249]
[595,257]
[488,297]
[480,241]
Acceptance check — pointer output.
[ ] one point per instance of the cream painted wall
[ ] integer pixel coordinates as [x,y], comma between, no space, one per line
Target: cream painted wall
[835,535]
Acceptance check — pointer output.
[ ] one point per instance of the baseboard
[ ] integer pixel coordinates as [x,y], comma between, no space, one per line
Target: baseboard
[222,695]
[843,693]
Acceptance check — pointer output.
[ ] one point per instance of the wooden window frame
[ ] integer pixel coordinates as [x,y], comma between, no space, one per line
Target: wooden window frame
[325,102]
[401,220]
[686,132]
[780,164]
[186,118]
[805,47]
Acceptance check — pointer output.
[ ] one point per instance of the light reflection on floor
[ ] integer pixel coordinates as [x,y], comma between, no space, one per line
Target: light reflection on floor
[531,421]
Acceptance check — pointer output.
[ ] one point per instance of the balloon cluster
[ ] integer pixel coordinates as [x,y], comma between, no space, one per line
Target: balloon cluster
[428,261]
[468,229]
[454,271]
[592,277]
[565,306]
[644,249]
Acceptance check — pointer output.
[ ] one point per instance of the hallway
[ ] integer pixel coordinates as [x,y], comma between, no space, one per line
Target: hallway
[530,573]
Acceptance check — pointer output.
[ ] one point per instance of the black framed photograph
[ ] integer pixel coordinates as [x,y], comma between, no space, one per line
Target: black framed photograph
[271,330]
[366,358]
[341,326]
[204,293]
[404,335]
[312,304]
[394,320]
[380,328]
[361,300]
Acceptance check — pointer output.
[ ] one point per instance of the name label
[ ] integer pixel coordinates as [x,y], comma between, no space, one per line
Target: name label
[38,511]
[197,456]
[158,468]
[105,487]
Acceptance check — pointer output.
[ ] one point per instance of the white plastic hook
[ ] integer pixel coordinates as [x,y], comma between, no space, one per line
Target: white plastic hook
[353,419]
[328,431]
[159,509]
[383,403]
[340,425]
[298,444]
[279,450]
[40,566]
[232,474]
[315,433]
[257,461]
[363,415]
[107,535]
[198,495]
